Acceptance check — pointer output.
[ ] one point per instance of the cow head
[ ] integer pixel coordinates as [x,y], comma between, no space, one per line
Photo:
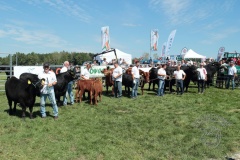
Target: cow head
[145,75]
[72,73]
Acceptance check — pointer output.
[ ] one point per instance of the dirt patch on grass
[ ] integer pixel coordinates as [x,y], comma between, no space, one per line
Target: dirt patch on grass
[234,110]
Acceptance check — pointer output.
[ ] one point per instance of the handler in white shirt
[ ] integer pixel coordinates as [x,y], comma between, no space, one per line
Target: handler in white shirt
[180,75]
[232,73]
[48,90]
[117,78]
[135,76]
[69,86]
[85,73]
[202,76]
[161,77]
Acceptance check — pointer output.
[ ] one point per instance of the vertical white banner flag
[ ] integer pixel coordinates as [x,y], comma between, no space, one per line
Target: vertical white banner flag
[220,53]
[105,38]
[164,49]
[154,39]
[170,41]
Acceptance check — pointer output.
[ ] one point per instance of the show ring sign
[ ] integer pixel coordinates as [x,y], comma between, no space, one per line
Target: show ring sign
[96,71]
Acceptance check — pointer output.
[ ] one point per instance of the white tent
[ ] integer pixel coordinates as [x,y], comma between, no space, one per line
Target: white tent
[192,54]
[111,55]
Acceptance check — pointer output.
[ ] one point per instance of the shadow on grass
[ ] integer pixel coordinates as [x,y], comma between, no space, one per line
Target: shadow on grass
[18,113]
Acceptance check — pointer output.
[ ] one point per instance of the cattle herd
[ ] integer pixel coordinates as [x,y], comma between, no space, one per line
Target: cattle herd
[23,91]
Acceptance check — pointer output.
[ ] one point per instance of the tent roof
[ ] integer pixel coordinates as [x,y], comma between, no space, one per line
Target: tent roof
[192,54]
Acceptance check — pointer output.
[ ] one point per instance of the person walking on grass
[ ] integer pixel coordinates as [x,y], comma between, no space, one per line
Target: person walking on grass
[180,75]
[161,78]
[117,78]
[202,77]
[48,90]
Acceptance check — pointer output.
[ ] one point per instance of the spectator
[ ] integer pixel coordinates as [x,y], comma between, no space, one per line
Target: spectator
[232,73]
[161,77]
[202,77]
[85,73]
[180,76]
[185,63]
[69,92]
[135,76]
[95,63]
[77,71]
[117,78]
[104,62]
[120,61]
[124,62]
[150,60]
[48,90]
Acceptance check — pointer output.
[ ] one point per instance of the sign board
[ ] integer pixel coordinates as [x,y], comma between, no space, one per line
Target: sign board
[18,70]
[95,71]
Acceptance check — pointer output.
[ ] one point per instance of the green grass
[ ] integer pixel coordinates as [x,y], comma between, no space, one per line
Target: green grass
[150,127]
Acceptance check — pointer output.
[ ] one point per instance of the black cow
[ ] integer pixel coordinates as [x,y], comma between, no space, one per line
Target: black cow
[153,78]
[211,69]
[169,81]
[191,74]
[127,81]
[23,92]
[62,81]
[32,77]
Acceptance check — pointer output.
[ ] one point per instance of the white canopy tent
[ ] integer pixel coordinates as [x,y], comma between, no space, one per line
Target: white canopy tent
[192,54]
[111,55]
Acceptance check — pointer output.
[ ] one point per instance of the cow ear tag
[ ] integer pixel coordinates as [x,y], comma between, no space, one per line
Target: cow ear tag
[29,82]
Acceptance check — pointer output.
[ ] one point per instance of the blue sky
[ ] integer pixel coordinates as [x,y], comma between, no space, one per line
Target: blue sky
[44,26]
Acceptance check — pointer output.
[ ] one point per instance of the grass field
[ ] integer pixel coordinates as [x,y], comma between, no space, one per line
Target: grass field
[190,126]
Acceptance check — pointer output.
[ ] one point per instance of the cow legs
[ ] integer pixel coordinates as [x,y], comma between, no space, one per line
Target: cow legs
[149,85]
[31,109]
[106,89]
[10,112]
[80,96]
[77,95]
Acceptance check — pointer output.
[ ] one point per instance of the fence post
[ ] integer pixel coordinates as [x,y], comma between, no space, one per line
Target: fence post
[10,63]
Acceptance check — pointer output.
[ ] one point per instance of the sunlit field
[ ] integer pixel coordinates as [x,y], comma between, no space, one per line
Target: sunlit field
[191,126]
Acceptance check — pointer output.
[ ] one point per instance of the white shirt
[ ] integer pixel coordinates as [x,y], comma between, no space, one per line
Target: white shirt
[179,74]
[64,69]
[162,72]
[104,63]
[135,72]
[116,72]
[85,73]
[202,73]
[49,77]
[232,70]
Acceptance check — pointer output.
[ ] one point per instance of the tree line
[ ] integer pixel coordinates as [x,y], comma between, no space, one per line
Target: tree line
[54,58]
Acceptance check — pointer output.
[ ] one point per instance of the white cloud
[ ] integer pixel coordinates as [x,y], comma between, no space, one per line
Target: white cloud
[32,37]
[68,7]
[189,11]
[215,37]
[131,25]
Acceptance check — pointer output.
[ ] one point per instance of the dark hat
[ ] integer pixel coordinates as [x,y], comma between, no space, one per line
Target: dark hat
[46,64]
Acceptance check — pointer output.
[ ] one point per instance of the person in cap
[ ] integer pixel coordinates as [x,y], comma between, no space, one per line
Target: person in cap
[48,90]
[232,73]
[69,92]
[202,77]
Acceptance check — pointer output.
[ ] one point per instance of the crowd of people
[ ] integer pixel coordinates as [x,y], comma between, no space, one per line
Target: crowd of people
[48,90]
